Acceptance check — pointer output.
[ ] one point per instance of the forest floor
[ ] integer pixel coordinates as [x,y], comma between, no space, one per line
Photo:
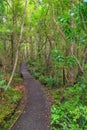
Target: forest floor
[36,114]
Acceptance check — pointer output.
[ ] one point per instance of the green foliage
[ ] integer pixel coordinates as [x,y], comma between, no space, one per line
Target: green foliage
[72,113]
[59,58]
[40,74]
[42,79]
[51,82]
[48,35]
[2,8]
[69,119]
[85,68]
[8,105]
[17,78]
[37,75]
[83,10]
[56,53]
[78,12]
[70,61]
[67,61]
[15,98]
[2,82]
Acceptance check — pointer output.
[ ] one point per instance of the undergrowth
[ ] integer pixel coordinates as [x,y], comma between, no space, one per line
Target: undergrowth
[70,112]
[9,100]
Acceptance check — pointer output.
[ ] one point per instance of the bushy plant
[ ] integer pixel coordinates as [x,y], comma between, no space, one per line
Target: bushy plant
[42,79]
[66,117]
[37,75]
[72,113]
[51,82]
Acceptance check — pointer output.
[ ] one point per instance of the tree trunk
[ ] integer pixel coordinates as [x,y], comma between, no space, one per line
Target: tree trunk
[71,69]
[64,77]
[12,49]
[31,49]
[20,38]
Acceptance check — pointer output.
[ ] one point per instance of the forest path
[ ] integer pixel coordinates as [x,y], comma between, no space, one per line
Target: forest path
[36,114]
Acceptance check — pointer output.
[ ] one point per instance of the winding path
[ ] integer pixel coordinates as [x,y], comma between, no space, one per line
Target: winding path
[36,114]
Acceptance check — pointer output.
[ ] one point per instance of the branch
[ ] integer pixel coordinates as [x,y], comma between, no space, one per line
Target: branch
[58,28]
[81,68]
[8,4]
[84,57]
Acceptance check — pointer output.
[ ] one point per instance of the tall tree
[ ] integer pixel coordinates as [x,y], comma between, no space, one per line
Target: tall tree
[19,41]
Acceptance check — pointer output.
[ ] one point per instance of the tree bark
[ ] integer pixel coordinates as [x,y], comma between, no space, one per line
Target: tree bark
[20,38]
[71,69]
[12,49]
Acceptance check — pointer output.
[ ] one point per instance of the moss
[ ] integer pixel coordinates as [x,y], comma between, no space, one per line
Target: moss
[8,104]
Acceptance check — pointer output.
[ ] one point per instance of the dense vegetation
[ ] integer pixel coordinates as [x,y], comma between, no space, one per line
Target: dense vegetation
[9,100]
[51,36]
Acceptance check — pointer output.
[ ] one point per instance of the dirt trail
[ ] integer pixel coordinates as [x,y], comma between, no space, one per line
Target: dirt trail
[36,115]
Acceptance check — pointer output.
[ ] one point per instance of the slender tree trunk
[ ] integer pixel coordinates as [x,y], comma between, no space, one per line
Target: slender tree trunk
[71,69]
[48,62]
[84,57]
[20,38]
[12,49]
[31,49]
[64,76]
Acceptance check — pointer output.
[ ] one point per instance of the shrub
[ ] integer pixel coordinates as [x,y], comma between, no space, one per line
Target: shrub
[72,113]
[51,82]
[67,118]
